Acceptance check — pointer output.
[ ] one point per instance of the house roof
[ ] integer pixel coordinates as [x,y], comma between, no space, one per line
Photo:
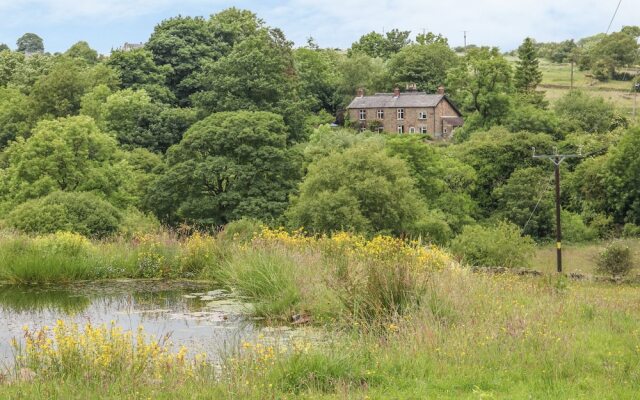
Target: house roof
[406,99]
[454,121]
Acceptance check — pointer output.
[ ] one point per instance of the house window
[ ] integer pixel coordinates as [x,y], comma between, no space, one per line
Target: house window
[444,130]
[380,114]
[423,129]
[422,115]
[412,129]
[400,128]
[400,113]
[363,115]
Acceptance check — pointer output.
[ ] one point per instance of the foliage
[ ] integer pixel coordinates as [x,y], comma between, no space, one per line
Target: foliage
[59,92]
[67,154]
[498,246]
[482,84]
[83,213]
[574,229]
[525,199]
[361,189]
[137,70]
[30,43]
[82,51]
[527,76]
[425,65]
[228,166]
[615,260]
[375,44]
[16,119]
[622,169]
[586,113]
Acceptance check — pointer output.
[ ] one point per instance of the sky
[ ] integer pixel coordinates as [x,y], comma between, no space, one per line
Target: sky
[107,24]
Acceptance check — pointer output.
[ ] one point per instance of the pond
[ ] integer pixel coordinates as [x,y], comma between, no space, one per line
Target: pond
[191,314]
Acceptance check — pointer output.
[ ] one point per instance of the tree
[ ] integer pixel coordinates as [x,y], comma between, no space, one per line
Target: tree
[360,71]
[613,51]
[361,189]
[184,44]
[82,51]
[228,166]
[495,155]
[30,43]
[128,114]
[318,78]
[425,65]
[622,179]
[375,44]
[16,119]
[431,38]
[232,26]
[137,70]
[59,92]
[528,75]
[586,113]
[68,154]
[4,47]
[520,195]
[482,84]
[258,74]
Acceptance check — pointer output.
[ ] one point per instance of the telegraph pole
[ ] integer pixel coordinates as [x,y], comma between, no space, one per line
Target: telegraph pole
[557,159]
[465,40]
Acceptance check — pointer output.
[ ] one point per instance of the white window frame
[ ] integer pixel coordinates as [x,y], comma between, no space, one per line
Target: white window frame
[423,115]
[400,129]
[412,129]
[380,114]
[362,115]
[400,114]
[423,129]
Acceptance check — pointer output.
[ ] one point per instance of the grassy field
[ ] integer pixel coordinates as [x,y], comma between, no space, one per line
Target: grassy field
[556,82]
[580,258]
[400,321]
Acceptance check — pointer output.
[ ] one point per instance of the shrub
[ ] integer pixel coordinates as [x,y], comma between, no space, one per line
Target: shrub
[631,230]
[135,223]
[242,230]
[199,252]
[615,259]
[575,230]
[83,213]
[498,246]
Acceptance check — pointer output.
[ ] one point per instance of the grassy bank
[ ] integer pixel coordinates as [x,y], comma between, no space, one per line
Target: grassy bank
[472,336]
[400,320]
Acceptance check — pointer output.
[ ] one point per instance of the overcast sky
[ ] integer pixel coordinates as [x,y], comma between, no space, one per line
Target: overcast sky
[333,23]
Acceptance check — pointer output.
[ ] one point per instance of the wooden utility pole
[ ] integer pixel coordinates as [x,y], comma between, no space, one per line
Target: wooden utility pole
[557,159]
[465,40]
[571,74]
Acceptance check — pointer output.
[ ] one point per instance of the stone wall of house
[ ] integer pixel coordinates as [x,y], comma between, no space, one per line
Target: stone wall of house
[390,123]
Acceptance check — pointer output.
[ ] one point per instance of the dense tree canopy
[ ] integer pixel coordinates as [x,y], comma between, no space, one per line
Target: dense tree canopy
[228,166]
[30,43]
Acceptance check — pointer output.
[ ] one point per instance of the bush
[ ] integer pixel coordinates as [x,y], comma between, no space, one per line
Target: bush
[136,223]
[575,230]
[242,230]
[615,259]
[498,246]
[631,230]
[83,213]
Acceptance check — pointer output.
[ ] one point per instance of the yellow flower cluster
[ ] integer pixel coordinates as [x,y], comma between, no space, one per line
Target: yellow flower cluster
[64,242]
[101,352]
[197,251]
[380,248]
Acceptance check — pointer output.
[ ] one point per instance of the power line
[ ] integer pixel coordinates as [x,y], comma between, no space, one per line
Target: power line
[614,16]
[544,191]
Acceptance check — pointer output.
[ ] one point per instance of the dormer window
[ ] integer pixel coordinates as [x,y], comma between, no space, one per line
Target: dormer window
[400,113]
[363,115]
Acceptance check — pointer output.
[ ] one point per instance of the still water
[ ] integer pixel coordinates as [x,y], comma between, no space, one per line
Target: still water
[191,314]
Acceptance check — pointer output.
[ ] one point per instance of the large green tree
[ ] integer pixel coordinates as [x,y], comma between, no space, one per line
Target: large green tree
[425,65]
[375,44]
[228,166]
[82,51]
[362,189]
[67,154]
[30,43]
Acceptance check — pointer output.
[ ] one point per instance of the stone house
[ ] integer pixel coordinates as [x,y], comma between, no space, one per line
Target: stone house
[406,112]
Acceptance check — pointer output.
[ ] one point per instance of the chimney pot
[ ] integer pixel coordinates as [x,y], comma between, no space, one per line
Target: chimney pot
[412,87]
[441,89]
[396,92]
[360,92]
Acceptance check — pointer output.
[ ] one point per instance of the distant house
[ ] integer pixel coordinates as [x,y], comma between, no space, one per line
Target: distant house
[131,46]
[406,112]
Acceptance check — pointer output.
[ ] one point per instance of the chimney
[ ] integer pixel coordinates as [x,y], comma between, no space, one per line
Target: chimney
[396,92]
[412,87]
[441,89]
[360,92]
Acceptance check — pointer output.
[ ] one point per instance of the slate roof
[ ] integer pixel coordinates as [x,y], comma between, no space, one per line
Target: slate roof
[405,100]
[454,121]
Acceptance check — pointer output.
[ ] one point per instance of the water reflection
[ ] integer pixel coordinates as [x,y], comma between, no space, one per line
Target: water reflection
[191,314]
